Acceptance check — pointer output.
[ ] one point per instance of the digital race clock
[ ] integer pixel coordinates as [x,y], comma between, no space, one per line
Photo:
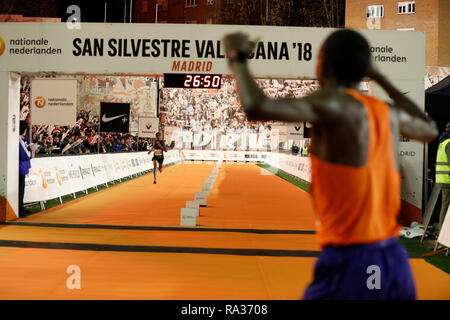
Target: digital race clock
[192,81]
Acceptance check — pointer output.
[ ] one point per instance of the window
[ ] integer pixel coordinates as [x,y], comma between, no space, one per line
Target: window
[375,11]
[406,7]
[191,3]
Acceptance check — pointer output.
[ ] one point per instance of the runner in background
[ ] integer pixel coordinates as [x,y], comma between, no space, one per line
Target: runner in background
[355,172]
[159,147]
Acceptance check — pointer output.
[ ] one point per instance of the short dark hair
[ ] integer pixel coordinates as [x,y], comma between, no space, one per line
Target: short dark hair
[347,54]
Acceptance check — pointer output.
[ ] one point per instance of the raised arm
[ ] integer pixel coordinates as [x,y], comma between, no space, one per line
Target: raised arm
[413,123]
[256,104]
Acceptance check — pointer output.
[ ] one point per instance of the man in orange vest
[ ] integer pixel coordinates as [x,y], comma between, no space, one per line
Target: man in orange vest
[355,173]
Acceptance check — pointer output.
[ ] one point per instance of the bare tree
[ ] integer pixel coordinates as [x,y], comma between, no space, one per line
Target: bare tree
[26,8]
[333,11]
[313,13]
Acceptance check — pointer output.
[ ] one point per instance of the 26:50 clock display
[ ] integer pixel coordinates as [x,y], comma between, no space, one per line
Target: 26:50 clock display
[193,81]
[204,81]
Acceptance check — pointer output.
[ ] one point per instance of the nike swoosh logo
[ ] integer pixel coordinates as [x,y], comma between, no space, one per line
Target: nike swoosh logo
[406,92]
[105,119]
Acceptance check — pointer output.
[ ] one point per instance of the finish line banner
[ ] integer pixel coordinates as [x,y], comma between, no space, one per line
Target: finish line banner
[280,52]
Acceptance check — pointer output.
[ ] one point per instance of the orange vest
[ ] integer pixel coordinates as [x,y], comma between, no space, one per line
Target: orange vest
[359,205]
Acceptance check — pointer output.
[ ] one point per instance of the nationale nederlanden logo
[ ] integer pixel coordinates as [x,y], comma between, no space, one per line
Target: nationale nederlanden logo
[40,102]
[2,46]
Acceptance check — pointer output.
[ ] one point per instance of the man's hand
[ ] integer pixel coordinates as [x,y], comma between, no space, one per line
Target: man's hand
[237,44]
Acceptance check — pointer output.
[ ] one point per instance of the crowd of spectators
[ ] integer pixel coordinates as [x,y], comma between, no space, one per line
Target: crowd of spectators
[83,137]
[220,110]
[25,99]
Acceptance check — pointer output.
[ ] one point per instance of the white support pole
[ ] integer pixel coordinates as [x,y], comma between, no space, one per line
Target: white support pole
[9,145]
[104,19]
[131,8]
[125,12]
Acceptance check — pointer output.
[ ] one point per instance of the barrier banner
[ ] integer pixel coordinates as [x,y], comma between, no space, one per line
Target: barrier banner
[444,235]
[224,155]
[53,177]
[294,165]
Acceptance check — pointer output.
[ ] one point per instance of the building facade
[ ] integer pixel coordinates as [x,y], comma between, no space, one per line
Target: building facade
[176,11]
[429,16]
[21,18]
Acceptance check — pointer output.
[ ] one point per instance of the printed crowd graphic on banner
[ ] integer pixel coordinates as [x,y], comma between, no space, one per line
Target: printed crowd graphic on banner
[148,127]
[114,117]
[218,140]
[53,102]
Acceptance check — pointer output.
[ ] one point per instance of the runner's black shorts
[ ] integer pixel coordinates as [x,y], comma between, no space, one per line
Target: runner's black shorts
[160,159]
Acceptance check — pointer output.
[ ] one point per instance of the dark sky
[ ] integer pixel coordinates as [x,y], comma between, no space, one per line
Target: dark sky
[91,11]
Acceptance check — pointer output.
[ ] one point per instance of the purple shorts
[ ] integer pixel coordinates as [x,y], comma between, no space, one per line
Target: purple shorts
[376,271]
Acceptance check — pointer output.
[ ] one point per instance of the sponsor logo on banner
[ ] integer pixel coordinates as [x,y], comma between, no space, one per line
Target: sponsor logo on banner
[296,131]
[2,46]
[148,127]
[54,101]
[58,177]
[407,153]
[114,117]
[106,119]
[40,102]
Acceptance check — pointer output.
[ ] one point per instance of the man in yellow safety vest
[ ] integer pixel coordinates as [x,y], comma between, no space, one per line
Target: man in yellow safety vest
[305,150]
[443,171]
